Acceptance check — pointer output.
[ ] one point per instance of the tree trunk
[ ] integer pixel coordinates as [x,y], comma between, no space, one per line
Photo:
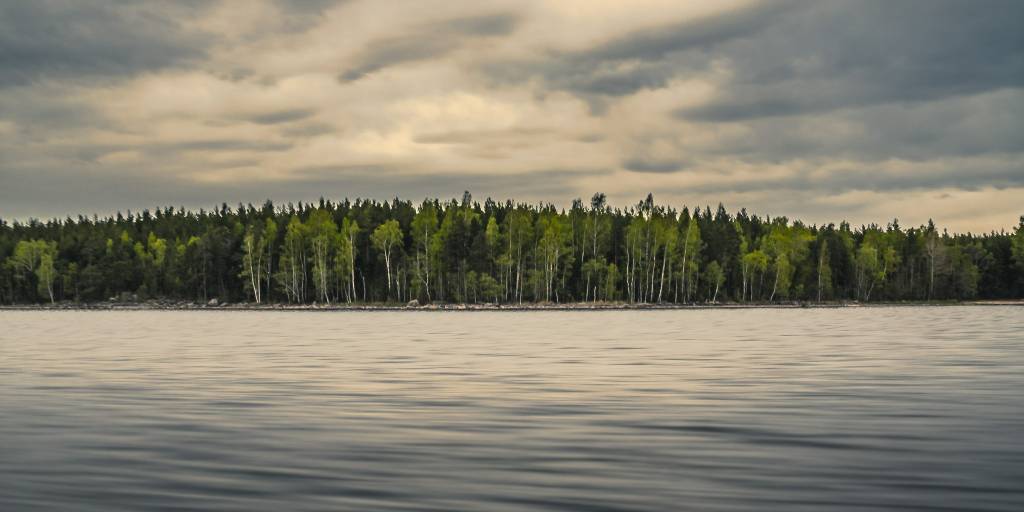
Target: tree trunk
[819,281]
[387,265]
[661,281]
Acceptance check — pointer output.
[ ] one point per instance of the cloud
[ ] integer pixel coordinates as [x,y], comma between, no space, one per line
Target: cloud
[513,136]
[103,191]
[428,41]
[91,39]
[308,130]
[306,6]
[836,55]
[640,164]
[283,116]
[967,126]
[892,176]
[646,58]
[215,145]
[821,110]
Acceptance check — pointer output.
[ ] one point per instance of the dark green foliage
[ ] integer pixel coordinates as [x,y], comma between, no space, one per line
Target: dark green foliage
[465,251]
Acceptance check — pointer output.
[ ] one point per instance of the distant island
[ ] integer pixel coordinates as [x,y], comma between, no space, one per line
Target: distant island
[370,253]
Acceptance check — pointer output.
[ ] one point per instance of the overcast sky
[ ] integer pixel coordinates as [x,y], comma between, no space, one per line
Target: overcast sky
[858,110]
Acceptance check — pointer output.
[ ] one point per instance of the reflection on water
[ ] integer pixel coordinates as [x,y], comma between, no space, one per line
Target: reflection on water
[851,409]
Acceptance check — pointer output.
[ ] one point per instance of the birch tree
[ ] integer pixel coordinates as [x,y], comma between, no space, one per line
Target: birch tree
[323,236]
[424,229]
[292,273]
[36,257]
[385,239]
[253,267]
[714,276]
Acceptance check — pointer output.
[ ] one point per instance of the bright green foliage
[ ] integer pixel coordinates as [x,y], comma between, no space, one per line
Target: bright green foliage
[824,282]
[427,246]
[46,274]
[610,281]
[552,246]
[385,239]
[868,270]
[254,251]
[323,237]
[1017,247]
[345,258]
[35,258]
[465,251]
[691,253]
[715,278]
[519,233]
[292,270]
[755,265]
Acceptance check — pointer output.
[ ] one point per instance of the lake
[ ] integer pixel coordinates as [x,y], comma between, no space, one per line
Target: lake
[909,408]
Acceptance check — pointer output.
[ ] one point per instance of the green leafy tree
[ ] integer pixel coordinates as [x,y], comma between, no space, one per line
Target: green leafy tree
[424,232]
[253,266]
[491,251]
[714,276]
[552,246]
[323,237]
[1017,248]
[46,273]
[386,238]
[755,265]
[292,269]
[345,258]
[824,287]
[691,251]
[36,258]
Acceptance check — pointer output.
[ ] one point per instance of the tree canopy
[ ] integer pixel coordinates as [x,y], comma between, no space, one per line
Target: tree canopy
[467,251]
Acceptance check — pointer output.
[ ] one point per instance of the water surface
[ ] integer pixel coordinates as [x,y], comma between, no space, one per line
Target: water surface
[914,408]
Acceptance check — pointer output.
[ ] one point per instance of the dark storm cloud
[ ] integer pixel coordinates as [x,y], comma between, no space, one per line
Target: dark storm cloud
[791,58]
[642,164]
[486,137]
[308,130]
[883,179]
[306,6]
[76,39]
[296,16]
[92,153]
[94,186]
[45,110]
[385,181]
[283,116]
[428,41]
[704,33]
[834,55]
[971,126]
[644,59]
[962,175]
[887,97]
[217,145]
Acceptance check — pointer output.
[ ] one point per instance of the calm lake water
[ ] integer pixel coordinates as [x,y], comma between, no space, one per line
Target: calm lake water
[913,408]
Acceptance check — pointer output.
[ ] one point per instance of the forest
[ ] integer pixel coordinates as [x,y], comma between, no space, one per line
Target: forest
[462,251]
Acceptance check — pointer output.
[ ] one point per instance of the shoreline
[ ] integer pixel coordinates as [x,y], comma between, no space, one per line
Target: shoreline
[569,306]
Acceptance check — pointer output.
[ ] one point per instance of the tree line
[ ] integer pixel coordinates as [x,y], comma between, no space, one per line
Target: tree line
[467,252]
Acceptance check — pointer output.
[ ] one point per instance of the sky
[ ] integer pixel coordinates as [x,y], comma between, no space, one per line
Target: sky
[819,110]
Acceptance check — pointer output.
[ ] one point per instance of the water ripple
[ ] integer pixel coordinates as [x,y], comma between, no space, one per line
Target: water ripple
[834,409]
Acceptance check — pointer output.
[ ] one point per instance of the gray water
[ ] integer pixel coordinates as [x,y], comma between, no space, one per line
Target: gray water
[828,409]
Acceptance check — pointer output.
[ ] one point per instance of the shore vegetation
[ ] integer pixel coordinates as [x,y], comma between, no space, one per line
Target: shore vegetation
[502,253]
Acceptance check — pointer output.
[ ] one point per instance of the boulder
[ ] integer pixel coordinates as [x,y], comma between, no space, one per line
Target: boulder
[413,304]
[213,302]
